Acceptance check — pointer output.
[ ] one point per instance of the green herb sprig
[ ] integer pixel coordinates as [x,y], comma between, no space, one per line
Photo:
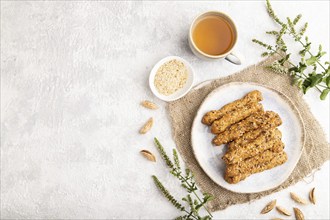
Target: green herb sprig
[309,72]
[193,202]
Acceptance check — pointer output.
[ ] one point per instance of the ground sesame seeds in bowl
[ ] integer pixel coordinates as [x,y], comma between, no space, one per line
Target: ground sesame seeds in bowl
[171,78]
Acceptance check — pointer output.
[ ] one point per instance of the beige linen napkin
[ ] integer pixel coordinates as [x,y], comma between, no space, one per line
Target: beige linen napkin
[182,113]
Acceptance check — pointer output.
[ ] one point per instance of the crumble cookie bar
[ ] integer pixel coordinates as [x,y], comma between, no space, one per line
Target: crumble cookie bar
[264,161]
[264,142]
[251,135]
[252,122]
[259,145]
[210,117]
[235,116]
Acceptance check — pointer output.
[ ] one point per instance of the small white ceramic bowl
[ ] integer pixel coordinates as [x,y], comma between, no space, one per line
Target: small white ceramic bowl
[181,92]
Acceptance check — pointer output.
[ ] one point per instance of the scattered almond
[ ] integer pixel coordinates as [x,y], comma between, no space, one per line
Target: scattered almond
[149,105]
[297,198]
[299,215]
[277,218]
[268,207]
[312,196]
[147,154]
[283,211]
[147,126]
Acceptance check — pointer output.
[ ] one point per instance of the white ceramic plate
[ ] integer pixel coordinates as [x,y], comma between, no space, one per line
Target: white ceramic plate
[181,92]
[209,156]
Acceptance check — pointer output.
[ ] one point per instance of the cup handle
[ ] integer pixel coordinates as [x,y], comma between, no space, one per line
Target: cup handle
[234,58]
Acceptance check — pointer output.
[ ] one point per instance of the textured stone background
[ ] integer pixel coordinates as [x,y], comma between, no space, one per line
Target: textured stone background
[72,76]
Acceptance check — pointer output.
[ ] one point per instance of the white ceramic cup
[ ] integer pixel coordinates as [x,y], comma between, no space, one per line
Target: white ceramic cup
[229,55]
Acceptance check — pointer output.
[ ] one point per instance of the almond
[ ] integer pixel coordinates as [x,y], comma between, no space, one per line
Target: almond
[312,196]
[149,105]
[268,207]
[147,126]
[298,214]
[147,154]
[297,198]
[283,211]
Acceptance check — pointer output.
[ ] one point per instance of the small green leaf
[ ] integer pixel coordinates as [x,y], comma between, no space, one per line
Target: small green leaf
[306,85]
[312,74]
[184,185]
[281,61]
[195,202]
[288,56]
[327,81]
[324,94]
[315,79]
[284,48]
[307,82]
[308,46]
[293,69]
[305,89]
[303,30]
[311,60]
[302,67]
[302,52]
[296,81]
[295,21]
[272,33]
[264,54]
[176,159]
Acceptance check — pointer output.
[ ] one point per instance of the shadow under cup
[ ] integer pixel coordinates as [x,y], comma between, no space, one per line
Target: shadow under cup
[212,35]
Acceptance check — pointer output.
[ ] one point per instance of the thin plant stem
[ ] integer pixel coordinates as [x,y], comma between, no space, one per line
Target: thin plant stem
[295,36]
[312,55]
[295,65]
[199,199]
[188,185]
[190,214]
